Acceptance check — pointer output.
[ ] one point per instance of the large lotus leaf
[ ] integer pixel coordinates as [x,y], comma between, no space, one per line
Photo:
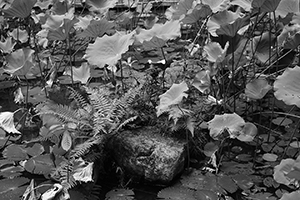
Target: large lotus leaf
[266,5]
[176,193]
[15,152]
[233,123]
[21,58]
[287,6]
[217,5]
[7,122]
[214,51]
[240,25]
[20,8]
[198,13]
[167,31]
[96,28]
[245,4]
[291,196]
[173,96]
[7,45]
[108,49]
[177,11]
[257,88]
[221,18]
[63,31]
[81,73]
[287,86]
[43,4]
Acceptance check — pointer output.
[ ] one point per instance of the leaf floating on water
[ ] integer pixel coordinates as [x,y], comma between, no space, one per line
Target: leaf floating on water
[270,157]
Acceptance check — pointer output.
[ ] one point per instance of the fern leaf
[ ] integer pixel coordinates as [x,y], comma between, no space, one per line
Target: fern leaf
[83,148]
[64,113]
[81,102]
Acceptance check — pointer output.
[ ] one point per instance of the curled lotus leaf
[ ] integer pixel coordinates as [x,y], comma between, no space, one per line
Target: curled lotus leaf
[257,88]
[233,123]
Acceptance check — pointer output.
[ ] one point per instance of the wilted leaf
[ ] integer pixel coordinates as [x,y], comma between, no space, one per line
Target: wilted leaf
[171,97]
[233,123]
[271,157]
[108,49]
[214,51]
[81,73]
[167,31]
[257,88]
[287,87]
[29,193]
[7,122]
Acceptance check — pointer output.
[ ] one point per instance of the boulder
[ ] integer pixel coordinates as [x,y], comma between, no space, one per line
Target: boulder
[145,153]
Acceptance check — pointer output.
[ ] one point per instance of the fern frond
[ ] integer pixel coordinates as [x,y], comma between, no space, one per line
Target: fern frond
[131,119]
[83,148]
[65,114]
[79,99]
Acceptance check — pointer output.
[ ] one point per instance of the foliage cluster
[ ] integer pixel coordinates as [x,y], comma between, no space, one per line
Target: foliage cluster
[85,72]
